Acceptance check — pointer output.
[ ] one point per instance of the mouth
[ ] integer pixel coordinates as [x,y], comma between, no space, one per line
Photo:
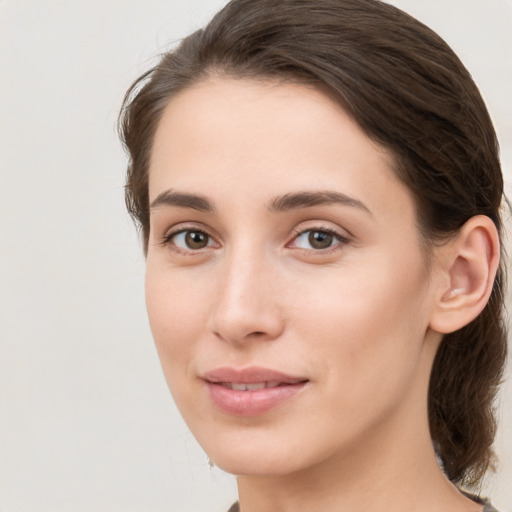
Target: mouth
[240,386]
[251,391]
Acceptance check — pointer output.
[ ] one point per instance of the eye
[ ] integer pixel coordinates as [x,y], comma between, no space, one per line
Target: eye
[190,240]
[318,239]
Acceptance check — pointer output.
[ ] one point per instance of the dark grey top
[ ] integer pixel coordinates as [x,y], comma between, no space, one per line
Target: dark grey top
[488,507]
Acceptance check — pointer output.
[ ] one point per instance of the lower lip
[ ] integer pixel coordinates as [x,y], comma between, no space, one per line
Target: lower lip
[251,403]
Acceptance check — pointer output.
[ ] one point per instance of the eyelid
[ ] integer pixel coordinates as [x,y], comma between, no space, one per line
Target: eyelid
[166,238]
[341,235]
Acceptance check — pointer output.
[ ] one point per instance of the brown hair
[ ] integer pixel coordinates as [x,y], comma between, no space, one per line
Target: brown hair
[409,92]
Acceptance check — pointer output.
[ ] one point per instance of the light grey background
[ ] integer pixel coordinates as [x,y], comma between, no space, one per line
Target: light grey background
[86,422]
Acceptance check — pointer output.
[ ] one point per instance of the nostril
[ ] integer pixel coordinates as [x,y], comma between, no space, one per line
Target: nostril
[257,334]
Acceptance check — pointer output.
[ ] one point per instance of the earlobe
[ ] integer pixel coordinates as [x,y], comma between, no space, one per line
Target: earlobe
[470,262]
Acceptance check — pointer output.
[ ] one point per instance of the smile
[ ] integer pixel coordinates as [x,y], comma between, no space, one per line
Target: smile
[250,391]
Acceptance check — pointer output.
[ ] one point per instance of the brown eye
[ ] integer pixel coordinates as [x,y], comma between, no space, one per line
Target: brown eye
[196,239]
[190,240]
[320,239]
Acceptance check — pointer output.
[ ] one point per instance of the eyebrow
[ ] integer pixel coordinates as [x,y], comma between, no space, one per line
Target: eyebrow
[184,200]
[308,199]
[284,203]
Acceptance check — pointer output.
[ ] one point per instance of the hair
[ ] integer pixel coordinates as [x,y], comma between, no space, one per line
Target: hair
[409,92]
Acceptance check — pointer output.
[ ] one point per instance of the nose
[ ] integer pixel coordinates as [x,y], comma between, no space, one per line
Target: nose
[247,306]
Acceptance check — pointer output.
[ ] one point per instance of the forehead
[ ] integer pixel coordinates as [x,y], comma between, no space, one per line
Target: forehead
[266,138]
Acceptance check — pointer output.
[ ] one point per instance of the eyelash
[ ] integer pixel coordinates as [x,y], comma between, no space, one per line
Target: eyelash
[341,240]
[167,239]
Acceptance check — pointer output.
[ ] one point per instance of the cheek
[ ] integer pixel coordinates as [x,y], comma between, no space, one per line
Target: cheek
[365,322]
[177,314]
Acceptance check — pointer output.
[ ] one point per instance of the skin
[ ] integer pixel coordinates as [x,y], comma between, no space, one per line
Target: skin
[354,318]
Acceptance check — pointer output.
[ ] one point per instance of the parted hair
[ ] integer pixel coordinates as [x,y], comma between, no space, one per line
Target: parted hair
[410,93]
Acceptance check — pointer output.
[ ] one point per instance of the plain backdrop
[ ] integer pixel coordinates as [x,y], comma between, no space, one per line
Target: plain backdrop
[86,421]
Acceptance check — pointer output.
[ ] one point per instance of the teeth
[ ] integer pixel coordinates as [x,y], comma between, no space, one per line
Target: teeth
[249,387]
[255,387]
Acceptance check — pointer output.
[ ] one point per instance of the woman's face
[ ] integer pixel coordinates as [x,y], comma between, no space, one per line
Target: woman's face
[286,285]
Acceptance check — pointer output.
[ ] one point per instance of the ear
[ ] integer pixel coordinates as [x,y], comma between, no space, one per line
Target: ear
[467,266]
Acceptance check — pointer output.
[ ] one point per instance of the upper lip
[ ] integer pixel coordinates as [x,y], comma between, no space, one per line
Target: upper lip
[250,375]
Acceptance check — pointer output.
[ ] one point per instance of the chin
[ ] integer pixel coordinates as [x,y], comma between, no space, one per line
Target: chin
[241,452]
[262,453]
[264,465]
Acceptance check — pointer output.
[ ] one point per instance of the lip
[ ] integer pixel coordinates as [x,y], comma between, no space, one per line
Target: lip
[251,402]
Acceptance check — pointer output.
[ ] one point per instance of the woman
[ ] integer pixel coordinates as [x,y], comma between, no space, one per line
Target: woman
[318,188]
